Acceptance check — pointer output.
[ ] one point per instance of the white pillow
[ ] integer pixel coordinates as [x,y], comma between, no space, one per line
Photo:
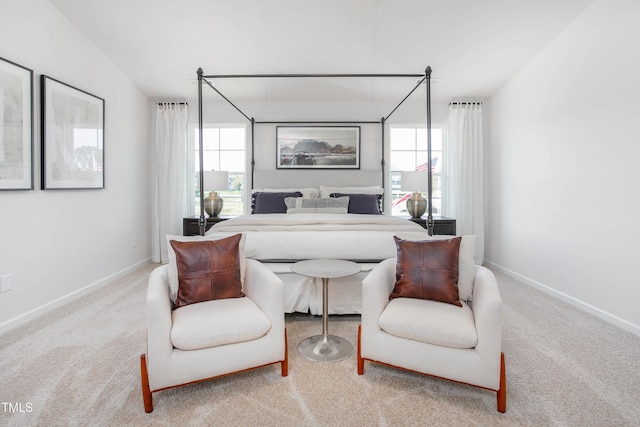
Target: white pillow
[371,189]
[173,265]
[307,193]
[335,205]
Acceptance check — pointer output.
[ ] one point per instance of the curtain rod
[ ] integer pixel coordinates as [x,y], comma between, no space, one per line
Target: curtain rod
[465,103]
[172,103]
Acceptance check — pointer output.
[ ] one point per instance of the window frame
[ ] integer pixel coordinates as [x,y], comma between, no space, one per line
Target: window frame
[193,162]
[440,175]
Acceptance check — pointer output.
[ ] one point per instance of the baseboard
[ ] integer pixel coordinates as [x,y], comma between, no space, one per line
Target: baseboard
[59,302]
[595,311]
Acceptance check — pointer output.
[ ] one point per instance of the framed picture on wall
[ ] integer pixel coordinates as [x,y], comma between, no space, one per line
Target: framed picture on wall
[72,137]
[318,147]
[16,126]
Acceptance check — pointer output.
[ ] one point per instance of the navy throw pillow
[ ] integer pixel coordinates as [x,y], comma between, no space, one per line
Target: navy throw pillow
[265,202]
[368,204]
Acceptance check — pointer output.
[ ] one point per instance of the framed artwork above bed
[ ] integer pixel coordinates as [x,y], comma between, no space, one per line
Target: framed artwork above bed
[318,147]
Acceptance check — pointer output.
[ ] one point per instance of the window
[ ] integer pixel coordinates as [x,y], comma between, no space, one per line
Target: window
[224,150]
[408,152]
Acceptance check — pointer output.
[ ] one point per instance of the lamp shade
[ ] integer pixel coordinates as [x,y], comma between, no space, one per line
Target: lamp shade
[216,180]
[414,181]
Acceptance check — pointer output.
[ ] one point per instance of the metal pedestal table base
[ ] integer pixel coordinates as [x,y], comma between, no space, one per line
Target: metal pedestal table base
[325,347]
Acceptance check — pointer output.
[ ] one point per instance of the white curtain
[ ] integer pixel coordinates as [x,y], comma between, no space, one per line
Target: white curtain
[169,175]
[464,193]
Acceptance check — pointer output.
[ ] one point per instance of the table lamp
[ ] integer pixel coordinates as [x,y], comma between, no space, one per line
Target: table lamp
[214,180]
[416,182]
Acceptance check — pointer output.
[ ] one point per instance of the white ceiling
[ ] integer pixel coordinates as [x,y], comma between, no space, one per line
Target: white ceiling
[473,46]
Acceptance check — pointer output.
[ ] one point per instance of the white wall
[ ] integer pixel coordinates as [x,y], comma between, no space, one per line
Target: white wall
[56,244]
[564,151]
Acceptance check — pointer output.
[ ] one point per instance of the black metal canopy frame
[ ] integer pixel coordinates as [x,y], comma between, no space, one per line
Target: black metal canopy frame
[426,77]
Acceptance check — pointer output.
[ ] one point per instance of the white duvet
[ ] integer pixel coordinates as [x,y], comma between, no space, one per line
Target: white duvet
[290,237]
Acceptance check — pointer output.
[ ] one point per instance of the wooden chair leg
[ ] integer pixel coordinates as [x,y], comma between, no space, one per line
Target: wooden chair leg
[502,391]
[147,398]
[285,362]
[360,359]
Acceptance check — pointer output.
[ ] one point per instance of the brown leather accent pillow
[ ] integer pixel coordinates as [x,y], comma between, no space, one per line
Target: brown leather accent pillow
[427,269]
[208,270]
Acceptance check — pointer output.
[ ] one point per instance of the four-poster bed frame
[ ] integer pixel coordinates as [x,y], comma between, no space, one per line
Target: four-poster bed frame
[424,78]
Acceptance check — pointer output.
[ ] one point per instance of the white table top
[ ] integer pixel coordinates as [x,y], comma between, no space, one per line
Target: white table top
[326,268]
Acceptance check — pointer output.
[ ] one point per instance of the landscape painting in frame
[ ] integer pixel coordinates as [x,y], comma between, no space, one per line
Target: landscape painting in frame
[16,126]
[72,137]
[318,147]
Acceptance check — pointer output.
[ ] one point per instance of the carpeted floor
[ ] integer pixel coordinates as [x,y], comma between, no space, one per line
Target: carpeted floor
[79,366]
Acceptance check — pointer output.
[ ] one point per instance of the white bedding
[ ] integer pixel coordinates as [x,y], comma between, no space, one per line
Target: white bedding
[281,239]
[290,237]
[315,222]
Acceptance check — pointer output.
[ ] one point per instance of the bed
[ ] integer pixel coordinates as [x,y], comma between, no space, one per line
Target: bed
[296,230]
[279,239]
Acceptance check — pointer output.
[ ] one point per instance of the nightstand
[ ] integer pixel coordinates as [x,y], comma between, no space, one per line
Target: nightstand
[441,224]
[190,224]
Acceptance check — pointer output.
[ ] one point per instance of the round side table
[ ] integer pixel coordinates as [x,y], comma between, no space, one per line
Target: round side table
[325,347]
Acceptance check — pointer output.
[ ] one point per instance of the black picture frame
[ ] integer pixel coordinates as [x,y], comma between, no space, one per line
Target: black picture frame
[72,137]
[318,147]
[16,126]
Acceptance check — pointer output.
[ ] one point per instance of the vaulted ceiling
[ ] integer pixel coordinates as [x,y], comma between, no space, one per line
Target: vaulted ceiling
[473,46]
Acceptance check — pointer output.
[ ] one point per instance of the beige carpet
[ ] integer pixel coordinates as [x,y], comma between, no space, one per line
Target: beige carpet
[79,365]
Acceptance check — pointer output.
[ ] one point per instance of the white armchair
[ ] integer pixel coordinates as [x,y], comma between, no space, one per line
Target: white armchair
[431,337]
[245,344]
